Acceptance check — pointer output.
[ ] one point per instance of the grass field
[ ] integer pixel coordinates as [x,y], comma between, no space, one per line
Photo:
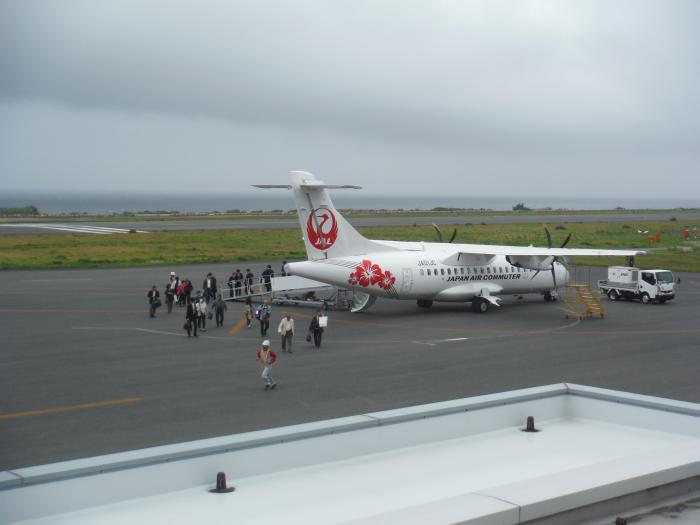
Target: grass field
[173,248]
[466,213]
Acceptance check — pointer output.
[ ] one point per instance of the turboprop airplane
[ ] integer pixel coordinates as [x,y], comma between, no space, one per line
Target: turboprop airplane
[422,271]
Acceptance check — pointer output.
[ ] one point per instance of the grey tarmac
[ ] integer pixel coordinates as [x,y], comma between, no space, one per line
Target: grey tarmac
[84,371]
[99,227]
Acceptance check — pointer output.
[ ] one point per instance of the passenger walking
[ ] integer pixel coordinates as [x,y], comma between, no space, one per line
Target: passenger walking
[267,276]
[219,307]
[191,319]
[200,306]
[174,282]
[286,331]
[209,287]
[263,314]
[237,282]
[316,327]
[249,281]
[169,297]
[186,290]
[248,312]
[230,285]
[266,357]
[153,296]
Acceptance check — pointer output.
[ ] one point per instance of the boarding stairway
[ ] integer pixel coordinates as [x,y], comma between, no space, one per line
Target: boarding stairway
[293,290]
[582,301]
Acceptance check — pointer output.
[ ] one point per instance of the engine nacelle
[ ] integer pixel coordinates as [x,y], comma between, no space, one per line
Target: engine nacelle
[531,262]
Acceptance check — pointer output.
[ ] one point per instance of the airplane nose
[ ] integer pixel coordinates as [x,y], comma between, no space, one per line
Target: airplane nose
[287,269]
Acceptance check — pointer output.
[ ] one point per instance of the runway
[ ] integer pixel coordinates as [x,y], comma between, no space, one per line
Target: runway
[168,224]
[84,370]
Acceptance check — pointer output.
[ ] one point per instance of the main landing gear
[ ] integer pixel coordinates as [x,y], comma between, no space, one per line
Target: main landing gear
[425,303]
[480,305]
[549,297]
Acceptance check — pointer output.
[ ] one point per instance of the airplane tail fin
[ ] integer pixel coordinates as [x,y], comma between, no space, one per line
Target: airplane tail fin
[326,232]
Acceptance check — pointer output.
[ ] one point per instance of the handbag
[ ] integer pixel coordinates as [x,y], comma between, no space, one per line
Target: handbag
[308,337]
[188,325]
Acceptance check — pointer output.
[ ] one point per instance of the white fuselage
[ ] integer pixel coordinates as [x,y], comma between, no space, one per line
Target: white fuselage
[423,275]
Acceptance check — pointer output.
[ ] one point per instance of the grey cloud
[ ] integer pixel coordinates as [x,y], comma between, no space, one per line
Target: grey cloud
[454,81]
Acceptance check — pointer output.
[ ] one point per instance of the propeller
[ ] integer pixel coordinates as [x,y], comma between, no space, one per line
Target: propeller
[556,258]
[439,234]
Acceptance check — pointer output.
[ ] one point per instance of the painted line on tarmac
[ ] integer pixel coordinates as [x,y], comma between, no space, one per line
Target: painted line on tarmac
[435,342]
[55,280]
[71,408]
[67,311]
[148,331]
[237,327]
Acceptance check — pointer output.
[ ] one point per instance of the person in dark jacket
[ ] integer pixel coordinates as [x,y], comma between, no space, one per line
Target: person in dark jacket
[248,281]
[315,328]
[237,282]
[219,307]
[153,300]
[169,297]
[191,319]
[267,276]
[209,287]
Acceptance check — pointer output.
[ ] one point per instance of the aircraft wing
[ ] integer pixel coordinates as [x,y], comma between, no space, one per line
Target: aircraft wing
[493,250]
[484,249]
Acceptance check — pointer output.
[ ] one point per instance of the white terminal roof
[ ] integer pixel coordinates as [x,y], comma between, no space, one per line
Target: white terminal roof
[462,461]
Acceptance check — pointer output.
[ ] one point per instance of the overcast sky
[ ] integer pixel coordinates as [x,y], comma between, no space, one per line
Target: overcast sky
[550,98]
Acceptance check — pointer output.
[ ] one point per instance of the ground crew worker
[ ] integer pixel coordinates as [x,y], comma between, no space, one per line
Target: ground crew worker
[286,331]
[266,357]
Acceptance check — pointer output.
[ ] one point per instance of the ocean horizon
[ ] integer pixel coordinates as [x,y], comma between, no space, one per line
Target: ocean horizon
[111,203]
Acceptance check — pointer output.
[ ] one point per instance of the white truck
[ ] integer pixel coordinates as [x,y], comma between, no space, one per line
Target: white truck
[633,283]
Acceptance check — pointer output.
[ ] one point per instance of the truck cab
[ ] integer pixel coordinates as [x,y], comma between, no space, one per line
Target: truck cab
[634,283]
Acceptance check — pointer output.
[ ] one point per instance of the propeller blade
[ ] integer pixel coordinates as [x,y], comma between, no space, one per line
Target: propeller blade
[438,232]
[549,237]
[454,234]
[554,276]
[531,278]
[566,241]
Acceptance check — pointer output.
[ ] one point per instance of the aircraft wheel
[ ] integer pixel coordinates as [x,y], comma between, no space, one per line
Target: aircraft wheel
[548,297]
[612,295]
[645,298]
[425,303]
[480,306]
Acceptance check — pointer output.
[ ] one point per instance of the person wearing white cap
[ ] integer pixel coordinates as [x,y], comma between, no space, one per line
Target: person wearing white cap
[266,358]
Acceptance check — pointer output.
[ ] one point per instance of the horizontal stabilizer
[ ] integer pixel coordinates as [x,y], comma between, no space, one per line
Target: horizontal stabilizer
[310,184]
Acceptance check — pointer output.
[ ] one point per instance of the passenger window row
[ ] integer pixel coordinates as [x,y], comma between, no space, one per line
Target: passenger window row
[467,270]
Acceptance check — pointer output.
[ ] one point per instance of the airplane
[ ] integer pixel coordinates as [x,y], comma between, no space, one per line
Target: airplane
[426,272]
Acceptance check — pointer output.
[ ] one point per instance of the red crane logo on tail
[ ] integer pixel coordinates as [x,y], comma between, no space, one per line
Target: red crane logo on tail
[322,228]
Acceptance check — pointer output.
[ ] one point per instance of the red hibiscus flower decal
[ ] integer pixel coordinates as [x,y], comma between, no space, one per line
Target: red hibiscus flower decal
[387,280]
[366,274]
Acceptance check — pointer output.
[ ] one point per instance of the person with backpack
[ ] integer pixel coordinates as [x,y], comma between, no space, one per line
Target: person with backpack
[266,357]
[262,314]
